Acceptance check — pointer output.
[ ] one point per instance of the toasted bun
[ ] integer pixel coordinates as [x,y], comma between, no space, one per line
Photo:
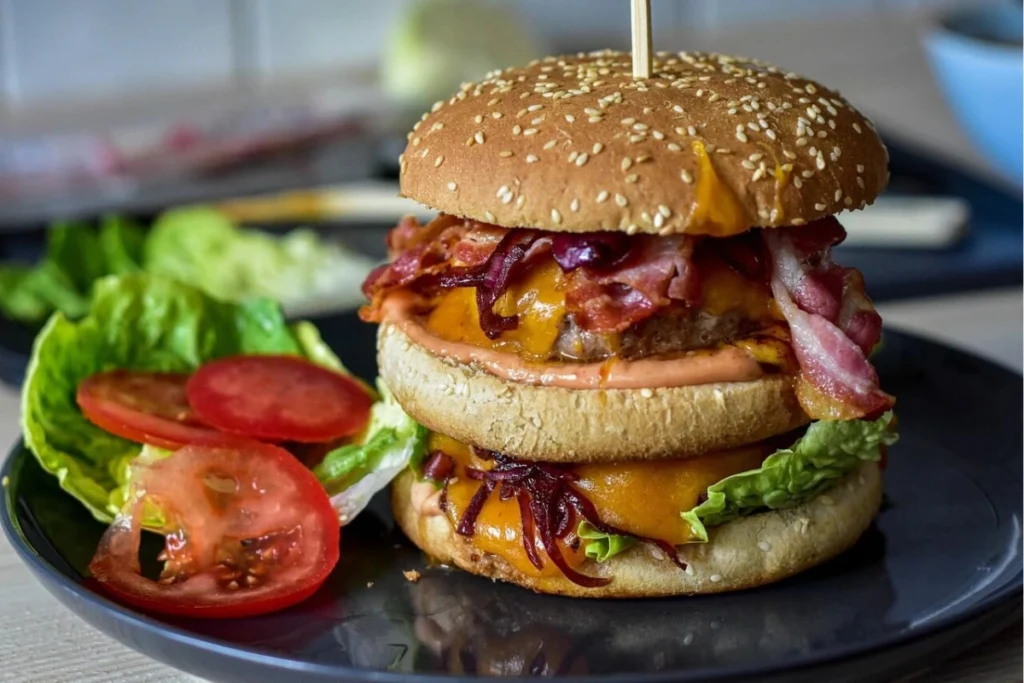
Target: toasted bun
[575,144]
[748,552]
[566,425]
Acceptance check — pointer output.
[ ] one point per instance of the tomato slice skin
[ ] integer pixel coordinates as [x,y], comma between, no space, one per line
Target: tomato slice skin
[278,398]
[146,407]
[251,531]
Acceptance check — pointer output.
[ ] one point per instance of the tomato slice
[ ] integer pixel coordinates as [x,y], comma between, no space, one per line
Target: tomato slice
[278,398]
[249,531]
[146,407]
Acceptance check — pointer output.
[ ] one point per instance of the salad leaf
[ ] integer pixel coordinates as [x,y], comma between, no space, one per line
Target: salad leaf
[202,246]
[601,546]
[829,450]
[136,322]
[354,472]
[76,256]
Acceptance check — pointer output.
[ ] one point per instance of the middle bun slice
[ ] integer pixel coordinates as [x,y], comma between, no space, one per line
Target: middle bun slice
[561,424]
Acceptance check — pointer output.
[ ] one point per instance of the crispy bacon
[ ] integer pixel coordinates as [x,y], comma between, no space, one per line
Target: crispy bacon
[658,271]
[419,251]
[832,322]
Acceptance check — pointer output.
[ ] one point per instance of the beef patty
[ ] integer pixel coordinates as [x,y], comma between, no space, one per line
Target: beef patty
[675,331]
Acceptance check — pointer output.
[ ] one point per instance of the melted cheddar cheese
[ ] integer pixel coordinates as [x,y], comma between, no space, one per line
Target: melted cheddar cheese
[715,210]
[538,300]
[643,498]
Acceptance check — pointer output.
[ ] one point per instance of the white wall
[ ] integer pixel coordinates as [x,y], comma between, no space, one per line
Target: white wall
[61,51]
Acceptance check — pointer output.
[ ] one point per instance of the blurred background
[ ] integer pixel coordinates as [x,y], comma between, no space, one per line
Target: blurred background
[133,107]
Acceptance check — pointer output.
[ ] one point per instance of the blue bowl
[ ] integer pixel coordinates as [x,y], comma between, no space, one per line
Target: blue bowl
[977,57]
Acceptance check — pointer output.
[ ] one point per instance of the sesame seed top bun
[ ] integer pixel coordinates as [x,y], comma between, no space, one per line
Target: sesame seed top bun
[576,144]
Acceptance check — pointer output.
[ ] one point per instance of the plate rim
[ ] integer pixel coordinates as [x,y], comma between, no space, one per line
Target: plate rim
[1000,598]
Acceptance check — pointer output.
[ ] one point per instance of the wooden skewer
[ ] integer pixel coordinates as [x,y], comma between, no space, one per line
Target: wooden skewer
[641,15]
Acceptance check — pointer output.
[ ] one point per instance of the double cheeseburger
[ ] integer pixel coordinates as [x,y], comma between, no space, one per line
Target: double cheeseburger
[641,370]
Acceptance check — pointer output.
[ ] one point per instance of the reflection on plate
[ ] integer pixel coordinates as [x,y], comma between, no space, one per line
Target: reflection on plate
[940,569]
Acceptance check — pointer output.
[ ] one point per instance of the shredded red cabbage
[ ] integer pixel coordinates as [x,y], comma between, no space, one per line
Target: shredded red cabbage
[550,509]
[596,250]
[438,466]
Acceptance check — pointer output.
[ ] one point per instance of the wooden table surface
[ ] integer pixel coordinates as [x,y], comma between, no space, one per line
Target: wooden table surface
[40,641]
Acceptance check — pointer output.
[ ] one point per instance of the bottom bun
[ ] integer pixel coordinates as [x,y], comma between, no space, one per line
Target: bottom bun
[751,551]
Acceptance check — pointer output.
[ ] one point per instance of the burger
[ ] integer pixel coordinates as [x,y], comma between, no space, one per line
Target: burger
[641,371]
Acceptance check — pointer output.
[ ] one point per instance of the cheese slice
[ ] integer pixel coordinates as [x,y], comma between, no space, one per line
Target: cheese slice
[643,498]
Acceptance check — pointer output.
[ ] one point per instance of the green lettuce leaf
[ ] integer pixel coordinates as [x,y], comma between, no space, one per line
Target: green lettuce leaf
[601,546]
[354,472]
[76,256]
[136,322]
[827,452]
[203,247]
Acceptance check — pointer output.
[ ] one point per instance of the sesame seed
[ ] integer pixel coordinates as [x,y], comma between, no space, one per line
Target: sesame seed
[517,129]
[537,121]
[437,105]
[685,175]
[664,211]
[504,189]
[691,130]
[860,182]
[574,205]
[602,197]
[596,149]
[813,151]
[437,126]
[797,182]
[478,118]
[535,107]
[632,178]
[595,119]
[800,142]
[489,216]
[438,161]
[632,229]
[741,136]
[770,134]
[556,217]
[715,578]
[659,220]
[520,200]
[674,147]
[582,159]
[569,118]
[530,131]
[531,158]
[820,207]
[505,153]
[848,200]
[626,163]
[453,186]
[856,127]
[621,200]
[759,173]
[493,101]
[807,173]
[789,155]
[756,157]
[479,137]
[415,142]
[764,546]
[572,156]
[628,121]
[550,144]
[860,168]
[820,163]
[748,164]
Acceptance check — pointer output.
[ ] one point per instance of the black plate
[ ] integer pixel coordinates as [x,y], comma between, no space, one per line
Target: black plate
[940,570]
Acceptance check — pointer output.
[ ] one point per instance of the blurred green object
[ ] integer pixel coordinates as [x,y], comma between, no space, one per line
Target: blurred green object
[198,246]
[438,44]
[77,255]
[202,247]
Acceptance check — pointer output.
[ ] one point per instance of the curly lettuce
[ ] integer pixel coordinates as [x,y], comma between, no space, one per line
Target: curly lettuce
[135,322]
[828,451]
[354,472]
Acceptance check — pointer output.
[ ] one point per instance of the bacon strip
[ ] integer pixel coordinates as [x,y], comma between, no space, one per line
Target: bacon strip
[832,322]
[658,271]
